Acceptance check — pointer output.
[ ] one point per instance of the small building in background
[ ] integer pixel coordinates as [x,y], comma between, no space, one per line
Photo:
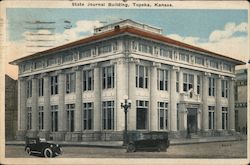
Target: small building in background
[241,101]
[10,108]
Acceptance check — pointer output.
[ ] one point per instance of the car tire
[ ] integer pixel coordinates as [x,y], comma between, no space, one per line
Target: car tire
[48,153]
[131,148]
[28,151]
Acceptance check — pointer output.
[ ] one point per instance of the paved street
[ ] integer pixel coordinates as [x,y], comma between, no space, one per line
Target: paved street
[235,149]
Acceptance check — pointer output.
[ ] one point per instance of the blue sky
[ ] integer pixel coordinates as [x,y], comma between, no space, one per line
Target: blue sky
[199,23]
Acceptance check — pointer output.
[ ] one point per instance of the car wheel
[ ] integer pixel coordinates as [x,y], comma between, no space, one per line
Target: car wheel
[28,151]
[161,147]
[131,148]
[48,153]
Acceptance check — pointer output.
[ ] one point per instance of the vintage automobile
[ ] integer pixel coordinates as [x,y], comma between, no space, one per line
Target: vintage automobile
[149,140]
[41,147]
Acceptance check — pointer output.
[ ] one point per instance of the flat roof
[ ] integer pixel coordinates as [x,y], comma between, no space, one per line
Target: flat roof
[126,30]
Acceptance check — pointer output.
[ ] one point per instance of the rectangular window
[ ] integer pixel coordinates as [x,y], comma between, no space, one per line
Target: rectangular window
[29,88]
[224,118]
[141,76]
[145,48]
[40,117]
[224,88]
[70,109]
[211,117]
[29,118]
[87,116]
[199,60]
[177,81]
[70,82]
[67,58]
[162,79]
[108,77]
[38,64]
[105,49]
[52,61]
[184,57]
[163,115]
[226,67]
[26,67]
[54,118]
[40,87]
[85,53]
[211,86]
[108,115]
[88,80]
[214,64]
[188,82]
[54,85]
[141,114]
[198,84]
[165,53]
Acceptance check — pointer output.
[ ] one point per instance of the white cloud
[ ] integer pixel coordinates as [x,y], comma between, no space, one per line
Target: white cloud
[228,31]
[222,41]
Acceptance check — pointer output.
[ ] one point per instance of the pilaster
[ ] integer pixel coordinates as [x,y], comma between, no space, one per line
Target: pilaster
[61,106]
[34,127]
[231,105]
[204,99]
[153,97]
[78,93]
[218,104]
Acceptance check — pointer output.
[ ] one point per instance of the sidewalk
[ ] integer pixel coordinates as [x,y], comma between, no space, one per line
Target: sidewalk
[118,144]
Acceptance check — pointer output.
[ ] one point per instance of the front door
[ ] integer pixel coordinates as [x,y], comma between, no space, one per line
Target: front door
[192,120]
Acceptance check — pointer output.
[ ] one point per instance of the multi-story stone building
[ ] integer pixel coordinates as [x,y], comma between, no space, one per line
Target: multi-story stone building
[10,108]
[74,91]
[241,101]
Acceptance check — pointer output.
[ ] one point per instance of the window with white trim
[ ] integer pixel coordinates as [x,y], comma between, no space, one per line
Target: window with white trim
[163,115]
[29,118]
[85,53]
[108,115]
[70,82]
[52,61]
[54,118]
[165,53]
[211,86]
[54,85]
[224,88]
[162,79]
[87,116]
[224,118]
[145,48]
[108,77]
[29,88]
[214,64]
[141,114]
[88,80]
[211,118]
[141,76]
[226,67]
[188,82]
[70,110]
[40,86]
[184,57]
[40,117]
[199,60]
[105,48]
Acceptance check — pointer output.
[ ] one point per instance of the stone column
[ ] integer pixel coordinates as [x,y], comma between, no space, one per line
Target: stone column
[46,107]
[121,92]
[231,105]
[131,93]
[61,107]
[204,100]
[34,127]
[97,100]
[173,99]
[78,110]
[153,97]
[22,113]
[218,110]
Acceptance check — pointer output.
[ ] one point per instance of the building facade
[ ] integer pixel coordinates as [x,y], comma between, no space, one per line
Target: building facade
[74,92]
[241,101]
[10,108]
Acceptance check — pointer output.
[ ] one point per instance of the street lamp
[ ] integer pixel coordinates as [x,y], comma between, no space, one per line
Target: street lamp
[126,105]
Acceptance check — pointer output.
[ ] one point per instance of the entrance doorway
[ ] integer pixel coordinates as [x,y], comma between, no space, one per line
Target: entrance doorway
[192,120]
